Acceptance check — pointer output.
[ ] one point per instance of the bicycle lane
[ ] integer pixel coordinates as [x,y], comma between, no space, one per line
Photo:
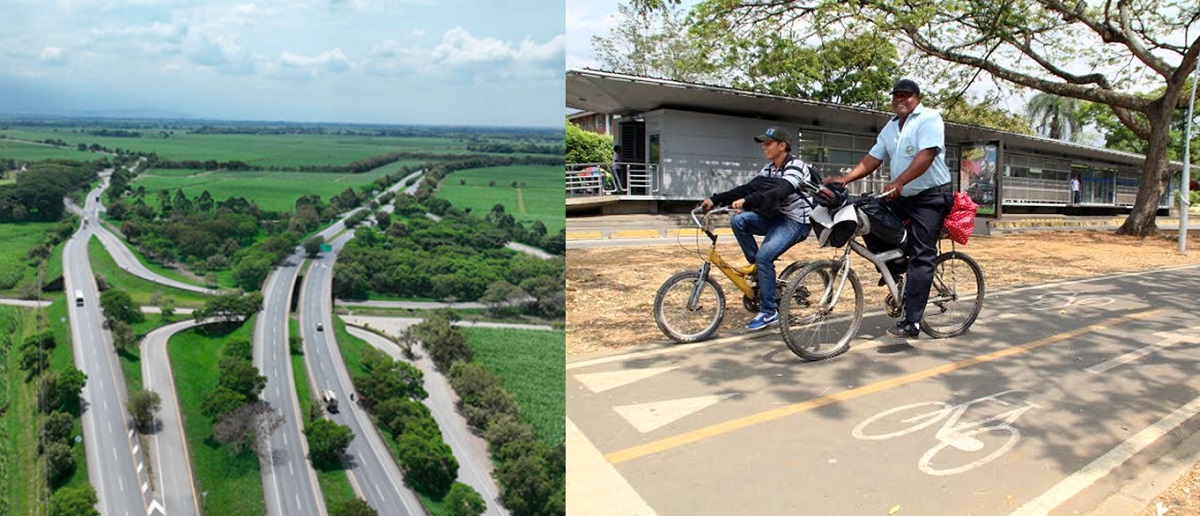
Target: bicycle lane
[741,425]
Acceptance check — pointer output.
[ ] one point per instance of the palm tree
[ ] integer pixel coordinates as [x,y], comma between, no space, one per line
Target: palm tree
[1054,116]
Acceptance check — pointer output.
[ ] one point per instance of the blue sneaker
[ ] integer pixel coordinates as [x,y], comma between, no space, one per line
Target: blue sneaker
[762,320]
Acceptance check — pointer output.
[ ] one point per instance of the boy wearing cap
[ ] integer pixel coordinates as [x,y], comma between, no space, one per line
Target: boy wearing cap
[914,143]
[773,208]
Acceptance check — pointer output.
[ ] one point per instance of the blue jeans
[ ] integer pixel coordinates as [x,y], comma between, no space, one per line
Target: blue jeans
[781,234]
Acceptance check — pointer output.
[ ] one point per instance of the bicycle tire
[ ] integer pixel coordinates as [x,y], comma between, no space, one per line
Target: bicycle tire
[813,330]
[673,316]
[955,297]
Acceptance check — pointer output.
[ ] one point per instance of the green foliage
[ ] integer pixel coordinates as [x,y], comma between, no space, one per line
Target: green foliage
[57,427]
[856,70]
[242,377]
[388,378]
[463,500]
[653,44]
[587,147]
[327,441]
[533,481]
[60,461]
[118,306]
[142,406]
[231,306]
[539,200]
[1055,117]
[446,344]
[353,507]
[531,364]
[74,501]
[70,386]
[19,240]
[429,464]
[38,192]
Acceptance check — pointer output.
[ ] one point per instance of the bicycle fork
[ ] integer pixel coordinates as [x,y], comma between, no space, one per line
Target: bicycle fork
[694,300]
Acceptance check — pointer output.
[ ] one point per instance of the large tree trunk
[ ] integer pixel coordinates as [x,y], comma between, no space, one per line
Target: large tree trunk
[1141,221]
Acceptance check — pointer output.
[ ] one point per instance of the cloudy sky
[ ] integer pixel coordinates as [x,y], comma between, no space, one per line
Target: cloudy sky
[471,62]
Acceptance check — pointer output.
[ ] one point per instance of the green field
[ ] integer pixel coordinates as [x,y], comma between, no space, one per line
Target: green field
[258,150]
[272,191]
[542,198]
[24,151]
[532,365]
[232,481]
[14,264]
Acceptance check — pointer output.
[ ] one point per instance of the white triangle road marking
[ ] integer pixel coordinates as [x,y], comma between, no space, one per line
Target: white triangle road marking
[155,506]
[600,382]
[646,417]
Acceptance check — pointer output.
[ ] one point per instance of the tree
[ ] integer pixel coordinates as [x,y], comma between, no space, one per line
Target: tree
[463,500]
[427,461]
[70,386]
[327,441]
[230,307]
[312,246]
[118,306]
[220,401]
[1055,117]
[241,376]
[1028,44]
[123,334]
[353,507]
[652,45]
[74,501]
[57,427]
[142,406]
[248,427]
[60,462]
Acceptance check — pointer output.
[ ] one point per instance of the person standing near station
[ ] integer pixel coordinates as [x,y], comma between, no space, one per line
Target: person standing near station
[914,144]
[1074,188]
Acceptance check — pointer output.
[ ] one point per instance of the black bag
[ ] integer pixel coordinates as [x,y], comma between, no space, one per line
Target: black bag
[885,225]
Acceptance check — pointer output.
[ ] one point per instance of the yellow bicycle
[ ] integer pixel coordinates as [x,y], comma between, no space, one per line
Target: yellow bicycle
[690,305]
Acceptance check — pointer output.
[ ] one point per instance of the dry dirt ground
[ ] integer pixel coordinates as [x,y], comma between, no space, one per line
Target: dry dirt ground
[610,290]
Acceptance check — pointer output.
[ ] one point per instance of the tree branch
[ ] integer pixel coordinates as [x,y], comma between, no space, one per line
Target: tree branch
[1128,120]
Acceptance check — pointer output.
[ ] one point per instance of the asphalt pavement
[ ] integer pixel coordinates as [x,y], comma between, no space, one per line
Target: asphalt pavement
[1057,401]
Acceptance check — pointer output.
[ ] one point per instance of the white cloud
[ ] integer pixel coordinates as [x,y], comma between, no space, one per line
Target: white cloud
[479,59]
[53,56]
[295,65]
[221,52]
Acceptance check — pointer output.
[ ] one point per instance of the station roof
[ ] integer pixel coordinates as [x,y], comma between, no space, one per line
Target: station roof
[630,95]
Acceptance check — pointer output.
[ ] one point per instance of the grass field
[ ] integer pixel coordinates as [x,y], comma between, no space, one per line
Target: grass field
[542,198]
[137,288]
[532,365]
[18,238]
[232,481]
[24,151]
[258,150]
[273,191]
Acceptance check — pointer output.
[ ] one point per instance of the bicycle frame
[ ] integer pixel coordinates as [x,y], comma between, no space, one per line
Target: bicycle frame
[880,261]
[738,275]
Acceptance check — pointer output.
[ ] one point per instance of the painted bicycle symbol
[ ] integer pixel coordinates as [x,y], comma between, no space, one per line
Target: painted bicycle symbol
[975,442]
[1071,299]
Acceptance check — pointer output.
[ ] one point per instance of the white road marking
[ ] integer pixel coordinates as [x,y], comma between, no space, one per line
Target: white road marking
[114,454]
[291,469]
[606,491]
[297,502]
[378,491]
[140,468]
[145,486]
[1088,475]
[285,443]
[600,382]
[1168,339]
[135,447]
[121,481]
[646,417]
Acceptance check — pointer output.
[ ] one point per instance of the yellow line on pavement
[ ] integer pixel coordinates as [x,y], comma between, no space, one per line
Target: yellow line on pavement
[675,441]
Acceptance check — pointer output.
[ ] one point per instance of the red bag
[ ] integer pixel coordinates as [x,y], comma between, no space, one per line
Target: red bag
[960,222]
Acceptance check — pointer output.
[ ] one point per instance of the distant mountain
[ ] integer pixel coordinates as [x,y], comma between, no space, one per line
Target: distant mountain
[138,113]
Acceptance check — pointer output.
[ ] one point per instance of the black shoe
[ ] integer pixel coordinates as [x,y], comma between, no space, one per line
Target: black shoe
[904,330]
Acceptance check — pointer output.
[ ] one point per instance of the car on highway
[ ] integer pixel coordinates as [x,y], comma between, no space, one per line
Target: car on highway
[320,327]
[330,400]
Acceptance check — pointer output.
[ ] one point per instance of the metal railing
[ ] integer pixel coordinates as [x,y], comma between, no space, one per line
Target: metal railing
[620,178]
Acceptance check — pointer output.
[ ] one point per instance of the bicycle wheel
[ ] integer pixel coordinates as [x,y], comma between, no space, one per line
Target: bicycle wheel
[813,327]
[956,296]
[684,323]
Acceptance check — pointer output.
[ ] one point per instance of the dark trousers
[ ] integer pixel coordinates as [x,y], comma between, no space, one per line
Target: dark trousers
[927,210]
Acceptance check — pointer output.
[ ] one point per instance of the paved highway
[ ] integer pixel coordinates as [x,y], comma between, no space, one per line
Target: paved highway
[289,483]
[372,470]
[168,447]
[115,460]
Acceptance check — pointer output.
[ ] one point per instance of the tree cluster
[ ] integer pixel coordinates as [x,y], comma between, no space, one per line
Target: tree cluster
[391,391]
[230,307]
[74,501]
[57,397]
[38,193]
